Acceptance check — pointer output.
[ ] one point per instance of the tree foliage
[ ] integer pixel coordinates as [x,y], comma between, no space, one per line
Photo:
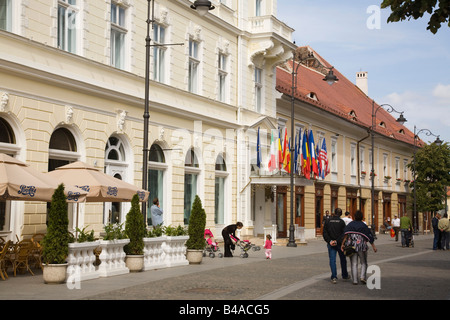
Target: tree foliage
[135,229]
[407,9]
[432,176]
[197,223]
[56,240]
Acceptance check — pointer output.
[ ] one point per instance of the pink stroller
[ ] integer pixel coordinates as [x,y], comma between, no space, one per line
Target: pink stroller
[211,246]
[245,246]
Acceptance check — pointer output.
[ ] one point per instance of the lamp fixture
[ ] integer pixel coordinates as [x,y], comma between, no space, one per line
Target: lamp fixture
[202,6]
[330,78]
[401,119]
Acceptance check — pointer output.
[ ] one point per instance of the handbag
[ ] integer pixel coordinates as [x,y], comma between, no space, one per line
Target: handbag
[349,250]
[392,233]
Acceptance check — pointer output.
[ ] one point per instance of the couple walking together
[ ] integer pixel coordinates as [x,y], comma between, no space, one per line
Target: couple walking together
[355,234]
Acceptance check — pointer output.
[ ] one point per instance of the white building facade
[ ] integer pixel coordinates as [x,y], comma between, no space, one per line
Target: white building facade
[72,84]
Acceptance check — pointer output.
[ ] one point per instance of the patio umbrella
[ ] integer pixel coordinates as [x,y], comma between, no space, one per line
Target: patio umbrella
[99,186]
[18,181]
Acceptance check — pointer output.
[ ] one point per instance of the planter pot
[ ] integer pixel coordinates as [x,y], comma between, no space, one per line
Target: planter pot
[112,258]
[134,263]
[54,273]
[81,260]
[194,256]
[175,251]
[154,256]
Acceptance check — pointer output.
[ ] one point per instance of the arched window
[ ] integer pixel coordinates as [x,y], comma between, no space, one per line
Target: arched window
[6,136]
[6,132]
[157,167]
[191,172]
[62,149]
[116,165]
[220,180]
[114,150]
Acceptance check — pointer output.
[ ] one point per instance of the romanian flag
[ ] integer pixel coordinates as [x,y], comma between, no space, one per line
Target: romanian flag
[285,147]
[305,164]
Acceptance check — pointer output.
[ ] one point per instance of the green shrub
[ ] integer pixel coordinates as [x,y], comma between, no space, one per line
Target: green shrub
[197,223]
[56,240]
[114,232]
[174,231]
[135,229]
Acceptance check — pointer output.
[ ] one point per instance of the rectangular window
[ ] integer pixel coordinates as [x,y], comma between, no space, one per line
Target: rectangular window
[190,190]
[405,169]
[397,168]
[156,189]
[333,155]
[193,66]
[159,53]
[222,66]
[353,160]
[385,165]
[118,33]
[5,15]
[219,205]
[67,25]
[362,166]
[258,89]
[258,4]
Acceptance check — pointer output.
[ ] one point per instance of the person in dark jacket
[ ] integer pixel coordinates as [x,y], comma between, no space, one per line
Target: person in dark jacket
[333,232]
[357,234]
[226,232]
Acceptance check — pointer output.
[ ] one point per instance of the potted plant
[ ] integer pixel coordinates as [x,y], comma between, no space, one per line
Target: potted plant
[135,231]
[111,253]
[196,231]
[56,240]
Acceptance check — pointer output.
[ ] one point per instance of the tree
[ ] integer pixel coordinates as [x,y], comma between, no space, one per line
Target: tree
[197,223]
[407,9]
[432,176]
[135,229]
[56,241]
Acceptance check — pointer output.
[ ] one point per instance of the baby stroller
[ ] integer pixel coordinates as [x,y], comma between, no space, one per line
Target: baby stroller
[211,246]
[245,246]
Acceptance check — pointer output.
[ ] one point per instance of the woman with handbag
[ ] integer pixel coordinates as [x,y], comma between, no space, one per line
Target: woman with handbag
[356,235]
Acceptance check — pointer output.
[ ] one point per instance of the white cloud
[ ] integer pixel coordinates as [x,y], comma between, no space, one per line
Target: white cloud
[426,110]
[442,94]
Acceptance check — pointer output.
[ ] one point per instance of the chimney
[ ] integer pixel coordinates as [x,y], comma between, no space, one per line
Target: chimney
[361,82]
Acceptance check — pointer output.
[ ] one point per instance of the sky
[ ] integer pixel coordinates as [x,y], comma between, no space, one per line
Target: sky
[408,66]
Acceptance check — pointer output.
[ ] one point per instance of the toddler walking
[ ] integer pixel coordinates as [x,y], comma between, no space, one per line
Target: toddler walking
[268,247]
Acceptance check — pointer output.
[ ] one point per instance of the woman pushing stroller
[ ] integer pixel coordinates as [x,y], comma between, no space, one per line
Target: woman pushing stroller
[226,232]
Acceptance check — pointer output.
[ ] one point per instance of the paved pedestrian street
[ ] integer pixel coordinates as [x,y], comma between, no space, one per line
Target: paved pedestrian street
[300,273]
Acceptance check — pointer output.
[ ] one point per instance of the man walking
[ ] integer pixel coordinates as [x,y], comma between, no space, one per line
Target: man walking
[406,229]
[333,232]
[436,231]
[444,227]
[396,226]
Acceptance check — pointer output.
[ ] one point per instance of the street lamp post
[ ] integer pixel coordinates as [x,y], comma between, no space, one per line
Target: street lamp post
[400,120]
[437,142]
[202,7]
[330,78]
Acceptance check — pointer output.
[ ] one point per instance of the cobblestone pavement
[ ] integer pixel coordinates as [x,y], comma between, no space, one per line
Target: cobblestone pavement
[293,273]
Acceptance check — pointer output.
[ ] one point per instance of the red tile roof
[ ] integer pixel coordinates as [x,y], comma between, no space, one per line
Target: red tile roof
[343,99]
